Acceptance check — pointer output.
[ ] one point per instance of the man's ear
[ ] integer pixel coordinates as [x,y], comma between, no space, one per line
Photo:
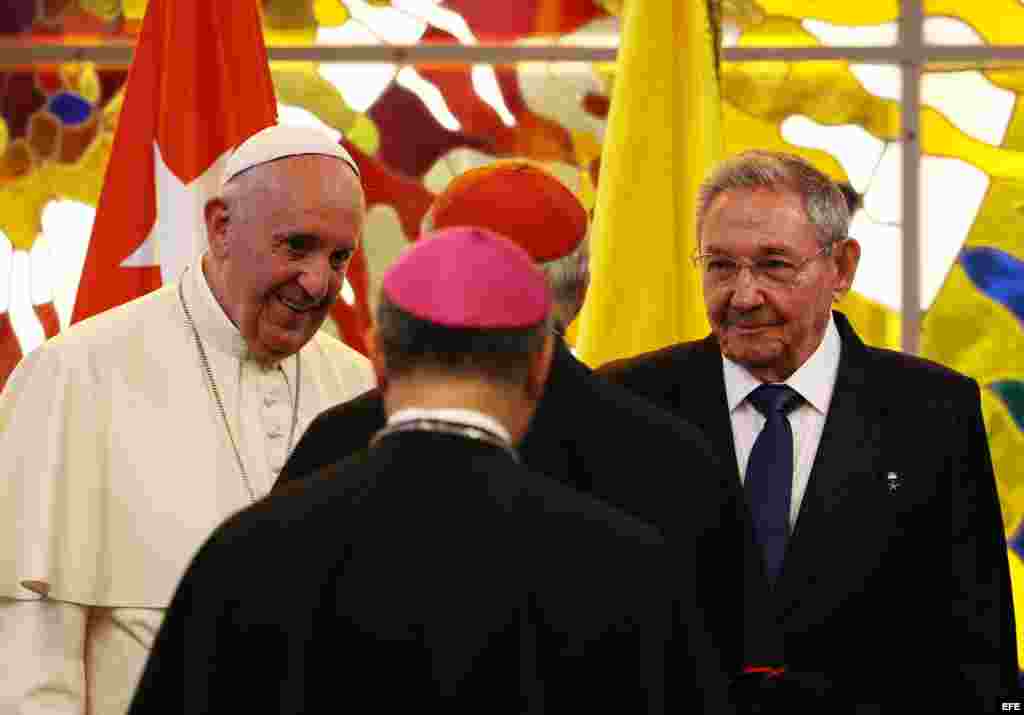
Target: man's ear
[216,215]
[376,356]
[847,258]
[539,368]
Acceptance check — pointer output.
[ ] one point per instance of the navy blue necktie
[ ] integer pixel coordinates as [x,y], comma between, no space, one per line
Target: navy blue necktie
[769,478]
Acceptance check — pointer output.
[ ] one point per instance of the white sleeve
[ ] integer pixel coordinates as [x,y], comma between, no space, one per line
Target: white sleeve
[119,641]
[42,664]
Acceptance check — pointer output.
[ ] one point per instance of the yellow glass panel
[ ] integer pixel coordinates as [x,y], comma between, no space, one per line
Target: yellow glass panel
[999,22]
[876,324]
[364,134]
[972,333]
[105,9]
[742,131]
[23,199]
[1017,579]
[826,91]
[289,22]
[1008,75]
[82,78]
[21,208]
[863,12]
[299,84]
[330,12]
[612,6]
[1014,138]
[940,138]
[1006,443]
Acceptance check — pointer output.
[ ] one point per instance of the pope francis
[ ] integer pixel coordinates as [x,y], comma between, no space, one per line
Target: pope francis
[129,437]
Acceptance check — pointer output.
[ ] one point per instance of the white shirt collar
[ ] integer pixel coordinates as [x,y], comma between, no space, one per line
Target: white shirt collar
[813,380]
[451,414]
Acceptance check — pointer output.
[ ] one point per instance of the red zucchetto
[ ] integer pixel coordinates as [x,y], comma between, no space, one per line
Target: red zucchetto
[518,200]
[467,277]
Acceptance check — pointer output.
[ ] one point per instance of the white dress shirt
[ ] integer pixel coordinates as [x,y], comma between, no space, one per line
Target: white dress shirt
[814,381]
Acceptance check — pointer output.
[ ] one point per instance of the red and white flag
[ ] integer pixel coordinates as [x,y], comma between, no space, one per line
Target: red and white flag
[198,86]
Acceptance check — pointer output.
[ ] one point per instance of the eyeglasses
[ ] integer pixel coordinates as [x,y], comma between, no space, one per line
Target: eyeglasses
[720,268]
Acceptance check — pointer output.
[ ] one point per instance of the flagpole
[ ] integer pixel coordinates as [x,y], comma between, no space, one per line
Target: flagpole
[911,39]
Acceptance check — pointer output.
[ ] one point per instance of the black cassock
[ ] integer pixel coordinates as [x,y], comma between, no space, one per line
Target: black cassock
[430,573]
[603,440]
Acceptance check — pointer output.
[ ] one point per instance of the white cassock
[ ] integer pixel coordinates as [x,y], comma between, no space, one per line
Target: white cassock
[115,465]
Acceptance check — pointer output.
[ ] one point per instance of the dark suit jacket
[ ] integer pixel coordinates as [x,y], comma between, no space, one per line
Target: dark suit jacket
[896,574]
[598,438]
[430,574]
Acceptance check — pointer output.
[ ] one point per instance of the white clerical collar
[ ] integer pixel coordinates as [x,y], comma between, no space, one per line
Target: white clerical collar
[212,322]
[451,414]
[814,380]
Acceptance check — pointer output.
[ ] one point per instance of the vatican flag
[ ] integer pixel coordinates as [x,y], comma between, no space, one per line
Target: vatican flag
[663,136]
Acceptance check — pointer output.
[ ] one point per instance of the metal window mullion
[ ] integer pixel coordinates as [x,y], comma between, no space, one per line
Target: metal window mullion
[22,53]
[15,52]
[883,54]
[912,42]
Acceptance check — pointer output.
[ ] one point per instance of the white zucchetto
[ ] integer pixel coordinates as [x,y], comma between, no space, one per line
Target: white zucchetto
[280,140]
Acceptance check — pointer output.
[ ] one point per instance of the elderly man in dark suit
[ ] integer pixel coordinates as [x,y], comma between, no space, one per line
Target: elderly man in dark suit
[436,573]
[880,573]
[588,434]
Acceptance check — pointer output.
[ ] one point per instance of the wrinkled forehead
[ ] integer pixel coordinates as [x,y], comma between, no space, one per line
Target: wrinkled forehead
[757,220]
[308,179]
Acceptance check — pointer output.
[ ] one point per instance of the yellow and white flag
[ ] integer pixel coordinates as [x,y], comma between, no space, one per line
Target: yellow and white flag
[663,136]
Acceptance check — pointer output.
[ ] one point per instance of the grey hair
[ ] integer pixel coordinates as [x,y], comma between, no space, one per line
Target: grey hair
[824,204]
[568,277]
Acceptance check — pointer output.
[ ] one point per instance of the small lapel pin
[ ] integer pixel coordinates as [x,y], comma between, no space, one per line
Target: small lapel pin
[894,481]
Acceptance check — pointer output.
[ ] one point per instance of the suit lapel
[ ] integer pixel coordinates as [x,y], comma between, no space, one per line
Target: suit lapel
[847,457]
[702,399]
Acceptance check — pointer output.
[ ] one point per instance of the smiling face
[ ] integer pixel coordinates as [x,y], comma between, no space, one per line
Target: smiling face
[771,329]
[280,240]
